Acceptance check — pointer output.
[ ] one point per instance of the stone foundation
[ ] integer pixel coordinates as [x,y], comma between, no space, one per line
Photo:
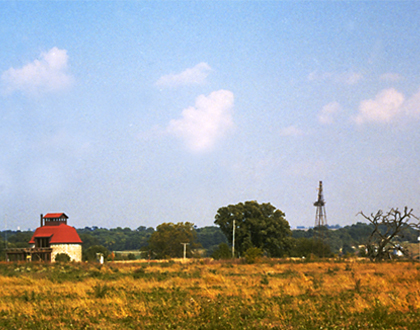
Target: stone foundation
[74,251]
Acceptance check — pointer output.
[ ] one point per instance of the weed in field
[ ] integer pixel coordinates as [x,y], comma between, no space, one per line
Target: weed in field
[317,281]
[166,264]
[29,297]
[100,290]
[264,280]
[332,271]
[288,273]
[139,273]
[226,265]
[358,285]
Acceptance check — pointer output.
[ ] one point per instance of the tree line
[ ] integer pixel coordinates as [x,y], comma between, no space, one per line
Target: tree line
[244,229]
[105,240]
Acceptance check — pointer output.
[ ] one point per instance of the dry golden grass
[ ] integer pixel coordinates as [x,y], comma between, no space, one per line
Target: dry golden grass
[211,295]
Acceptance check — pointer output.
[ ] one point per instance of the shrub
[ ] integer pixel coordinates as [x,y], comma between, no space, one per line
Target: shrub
[221,252]
[310,248]
[90,253]
[62,257]
[252,254]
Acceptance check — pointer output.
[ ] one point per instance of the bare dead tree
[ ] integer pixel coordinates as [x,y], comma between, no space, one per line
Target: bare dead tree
[387,229]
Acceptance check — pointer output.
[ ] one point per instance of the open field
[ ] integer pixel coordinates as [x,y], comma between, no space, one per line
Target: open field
[210,295]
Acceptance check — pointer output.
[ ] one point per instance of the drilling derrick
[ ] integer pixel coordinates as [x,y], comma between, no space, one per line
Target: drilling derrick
[321,216]
[320,229]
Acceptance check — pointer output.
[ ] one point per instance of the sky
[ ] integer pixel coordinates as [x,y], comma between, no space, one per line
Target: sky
[136,113]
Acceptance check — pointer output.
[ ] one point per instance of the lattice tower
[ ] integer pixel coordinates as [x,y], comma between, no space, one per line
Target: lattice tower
[321,215]
[320,229]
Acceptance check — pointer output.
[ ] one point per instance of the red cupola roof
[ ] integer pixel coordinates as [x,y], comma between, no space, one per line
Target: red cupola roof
[57,234]
[54,226]
[55,216]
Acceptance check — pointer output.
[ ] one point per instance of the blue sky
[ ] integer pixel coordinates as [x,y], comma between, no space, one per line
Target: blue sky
[137,113]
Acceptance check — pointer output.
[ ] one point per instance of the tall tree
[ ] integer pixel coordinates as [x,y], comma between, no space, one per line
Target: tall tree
[256,225]
[210,237]
[388,229]
[167,241]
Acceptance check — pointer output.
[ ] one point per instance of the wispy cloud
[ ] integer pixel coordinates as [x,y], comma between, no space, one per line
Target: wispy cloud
[202,125]
[307,169]
[46,74]
[346,78]
[391,77]
[291,131]
[327,114]
[192,76]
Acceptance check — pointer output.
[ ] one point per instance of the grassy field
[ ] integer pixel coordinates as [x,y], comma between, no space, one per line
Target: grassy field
[211,295]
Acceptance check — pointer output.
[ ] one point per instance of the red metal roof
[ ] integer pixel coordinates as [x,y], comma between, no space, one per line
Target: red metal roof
[55,216]
[58,234]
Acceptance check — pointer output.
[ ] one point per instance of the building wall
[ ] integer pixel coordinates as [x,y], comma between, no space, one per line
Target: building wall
[73,250]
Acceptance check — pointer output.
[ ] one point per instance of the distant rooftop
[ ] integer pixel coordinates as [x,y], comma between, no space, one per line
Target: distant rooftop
[55,216]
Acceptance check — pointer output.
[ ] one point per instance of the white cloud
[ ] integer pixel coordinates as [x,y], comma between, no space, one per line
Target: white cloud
[412,105]
[193,76]
[291,131]
[46,74]
[207,122]
[328,112]
[386,106]
[346,78]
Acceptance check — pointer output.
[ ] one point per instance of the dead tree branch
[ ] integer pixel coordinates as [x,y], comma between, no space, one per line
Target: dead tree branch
[387,229]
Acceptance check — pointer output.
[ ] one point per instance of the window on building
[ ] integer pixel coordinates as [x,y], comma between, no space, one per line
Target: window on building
[42,242]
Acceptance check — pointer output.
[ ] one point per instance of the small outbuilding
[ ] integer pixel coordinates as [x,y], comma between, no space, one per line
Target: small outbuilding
[53,236]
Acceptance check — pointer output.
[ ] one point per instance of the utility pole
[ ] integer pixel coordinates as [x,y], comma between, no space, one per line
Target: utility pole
[185,249]
[233,240]
[5,237]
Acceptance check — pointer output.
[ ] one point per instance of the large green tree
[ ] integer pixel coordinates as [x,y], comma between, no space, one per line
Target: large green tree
[167,241]
[256,225]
